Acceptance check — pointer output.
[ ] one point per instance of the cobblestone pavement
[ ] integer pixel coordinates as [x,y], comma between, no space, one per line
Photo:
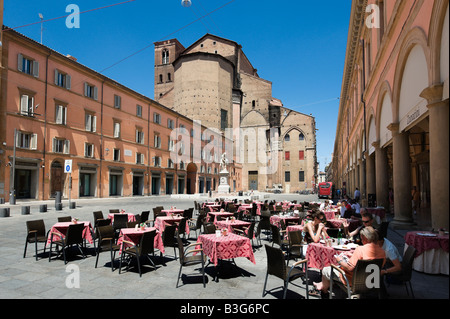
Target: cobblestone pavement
[23,278]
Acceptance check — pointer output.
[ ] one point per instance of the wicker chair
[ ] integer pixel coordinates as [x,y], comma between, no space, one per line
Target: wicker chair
[186,259]
[74,236]
[277,267]
[143,249]
[106,242]
[35,234]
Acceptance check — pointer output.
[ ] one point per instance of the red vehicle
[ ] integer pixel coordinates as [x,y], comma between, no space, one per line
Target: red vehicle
[325,190]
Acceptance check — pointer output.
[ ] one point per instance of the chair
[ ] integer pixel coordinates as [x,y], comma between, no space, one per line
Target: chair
[168,238]
[64,219]
[276,237]
[333,232]
[359,279]
[248,232]
[187,260]
[74,236]
[295,247]
[181,227]
[35,234]
[120,221]
[383,229]
[132,224]
[404,276]
[209,228]
[106,242]
[188,213]
[98,215]
[114,211]
[263,224]
[145,247]
[278,268]
[197,225]
[145,216]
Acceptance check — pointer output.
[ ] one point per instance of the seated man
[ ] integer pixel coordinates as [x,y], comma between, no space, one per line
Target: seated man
[367,220]
[369,251]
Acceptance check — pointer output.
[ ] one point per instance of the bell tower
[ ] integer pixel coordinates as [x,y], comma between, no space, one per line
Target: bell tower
[166,52]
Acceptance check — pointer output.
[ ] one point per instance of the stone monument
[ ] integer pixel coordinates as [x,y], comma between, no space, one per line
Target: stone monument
[224,187]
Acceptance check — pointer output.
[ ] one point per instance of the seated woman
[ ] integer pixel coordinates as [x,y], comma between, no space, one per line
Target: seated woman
[315,230]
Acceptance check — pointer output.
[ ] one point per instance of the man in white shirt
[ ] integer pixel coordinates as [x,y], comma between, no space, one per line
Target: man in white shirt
[357,194]
[355,206]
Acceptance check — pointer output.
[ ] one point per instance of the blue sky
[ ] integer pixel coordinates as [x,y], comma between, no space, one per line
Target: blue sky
[297,45]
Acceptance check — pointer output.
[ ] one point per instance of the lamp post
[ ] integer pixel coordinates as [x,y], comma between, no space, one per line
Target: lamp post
[12,195]
[42,24]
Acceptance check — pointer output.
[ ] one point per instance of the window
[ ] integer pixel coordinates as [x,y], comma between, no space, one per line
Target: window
[26,140]
[116,154]
[170,124]
[139,136]
[223,119]
[62,79]
[287,156]
[165,57]
[157,141]
[301,176]
[169,163]
[301,155]
[61,146]
[138,110]
[140,158]
[116,129]
[287,177]
[28,65]
[117,102]
[61,114]
[253,104]
[90,122]
[171,145]
[156,118]
[287,138]
[90,91]
[157,161]
[26,105]
[301,137]
[161,79]
[88,150]
[169,77]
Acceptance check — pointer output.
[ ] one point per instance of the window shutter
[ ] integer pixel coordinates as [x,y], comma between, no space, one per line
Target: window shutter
[88,122]
[54,145]
[35,69]
[66,147]
[68,82]
[94,123]
[142,158]
[33,144]
[85,89]
[24,104]
[18,138]
[59,114]
[95,93]
[65,115]
[137,136]
[56,77]
[20,62]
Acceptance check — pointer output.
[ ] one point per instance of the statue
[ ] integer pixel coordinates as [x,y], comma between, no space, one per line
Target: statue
[223,162]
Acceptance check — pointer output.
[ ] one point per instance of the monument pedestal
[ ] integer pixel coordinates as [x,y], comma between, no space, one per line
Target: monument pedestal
[224,188]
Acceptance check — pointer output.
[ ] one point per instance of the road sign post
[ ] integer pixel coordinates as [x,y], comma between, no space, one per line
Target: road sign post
[68,170]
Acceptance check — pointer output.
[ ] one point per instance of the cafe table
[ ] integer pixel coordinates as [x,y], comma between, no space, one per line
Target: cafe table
[173,211]
[339,222]
[131,217]
[379,213]
[162,221]
[330,214]
[320,256]
[245,207]
[61,228]
[230,225]
[134,235]
[275,219]
[431,251]
[226,247]
[215,214]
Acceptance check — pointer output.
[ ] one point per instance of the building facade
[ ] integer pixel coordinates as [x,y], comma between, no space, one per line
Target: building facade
[212,81]
[392,131]
[121,143]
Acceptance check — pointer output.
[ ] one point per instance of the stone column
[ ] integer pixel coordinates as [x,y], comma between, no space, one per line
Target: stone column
[439,162]
[362,182]
[402,179]
[370,177]
[382,178]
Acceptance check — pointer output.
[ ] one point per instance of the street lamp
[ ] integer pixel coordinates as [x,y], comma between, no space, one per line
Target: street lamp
[42,24]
